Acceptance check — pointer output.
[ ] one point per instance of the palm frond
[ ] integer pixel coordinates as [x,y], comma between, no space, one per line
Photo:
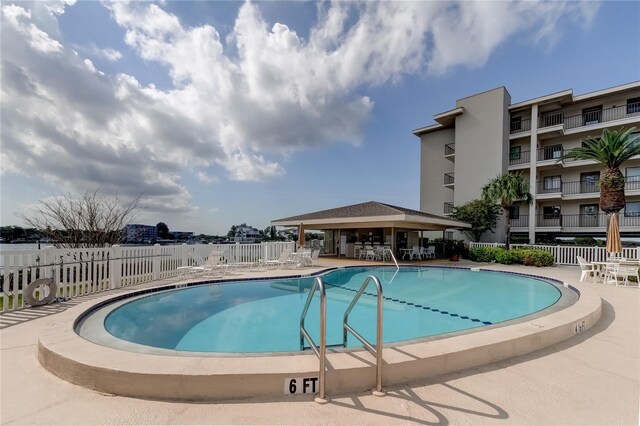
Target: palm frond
[612,149]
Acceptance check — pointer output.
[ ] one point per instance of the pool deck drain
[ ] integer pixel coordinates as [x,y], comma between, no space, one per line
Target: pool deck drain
[194,378]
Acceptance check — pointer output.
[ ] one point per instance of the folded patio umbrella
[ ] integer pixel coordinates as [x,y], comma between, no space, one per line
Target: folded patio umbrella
[614,245]
[301,235]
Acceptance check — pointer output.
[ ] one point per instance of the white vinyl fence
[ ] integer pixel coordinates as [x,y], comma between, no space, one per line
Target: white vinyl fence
[79,272]
[566,255]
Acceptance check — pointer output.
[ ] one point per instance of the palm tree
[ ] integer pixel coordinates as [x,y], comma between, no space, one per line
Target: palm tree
[611,150]
[507,190]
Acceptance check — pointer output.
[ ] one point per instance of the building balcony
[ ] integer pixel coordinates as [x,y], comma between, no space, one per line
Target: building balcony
[520,126]
[450,151]
[596,221]
[449,180]
[589,119]
[522,157]
[549,190]
[522,221]
[448,208]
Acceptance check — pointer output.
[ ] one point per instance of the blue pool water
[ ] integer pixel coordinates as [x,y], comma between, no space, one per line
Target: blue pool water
[264,316]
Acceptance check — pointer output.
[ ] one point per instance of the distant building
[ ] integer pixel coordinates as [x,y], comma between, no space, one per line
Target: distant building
[246,234]
[183,237]
[141,234]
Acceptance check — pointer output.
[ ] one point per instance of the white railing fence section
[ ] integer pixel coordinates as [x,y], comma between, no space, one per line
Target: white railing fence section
[79,272]
[567,255]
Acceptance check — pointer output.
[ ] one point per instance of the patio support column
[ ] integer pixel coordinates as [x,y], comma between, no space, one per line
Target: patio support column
[393,240]
[533,158]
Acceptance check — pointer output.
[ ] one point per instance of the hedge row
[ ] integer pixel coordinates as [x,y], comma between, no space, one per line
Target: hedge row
[529,257]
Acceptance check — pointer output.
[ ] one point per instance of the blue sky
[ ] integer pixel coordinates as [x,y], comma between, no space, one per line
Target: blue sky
[219,113]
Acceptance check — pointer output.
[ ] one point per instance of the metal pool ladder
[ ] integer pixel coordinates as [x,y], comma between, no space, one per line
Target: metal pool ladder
[321,351]
[377,350]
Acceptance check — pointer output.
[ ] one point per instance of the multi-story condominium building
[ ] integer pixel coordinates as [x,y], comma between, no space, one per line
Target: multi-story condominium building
[141,234]
[486,135]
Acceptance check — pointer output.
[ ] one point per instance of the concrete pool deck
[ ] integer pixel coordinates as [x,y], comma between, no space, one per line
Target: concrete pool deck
[591,378]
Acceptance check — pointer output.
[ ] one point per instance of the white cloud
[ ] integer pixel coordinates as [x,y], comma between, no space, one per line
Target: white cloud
[244,112]
[108,54]
[206,179]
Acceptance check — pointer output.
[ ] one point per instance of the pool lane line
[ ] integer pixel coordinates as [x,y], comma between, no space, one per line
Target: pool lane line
[426,308]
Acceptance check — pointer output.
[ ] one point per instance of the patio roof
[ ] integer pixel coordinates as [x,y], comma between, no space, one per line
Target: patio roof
[371,214]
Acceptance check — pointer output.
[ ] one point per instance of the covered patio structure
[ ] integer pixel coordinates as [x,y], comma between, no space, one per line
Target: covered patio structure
[370,223]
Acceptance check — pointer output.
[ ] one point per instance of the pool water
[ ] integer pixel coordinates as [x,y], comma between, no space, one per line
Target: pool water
[264,316]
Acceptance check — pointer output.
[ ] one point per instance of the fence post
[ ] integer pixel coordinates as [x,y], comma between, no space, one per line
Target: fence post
[156,264]
[115,267]
[185,260]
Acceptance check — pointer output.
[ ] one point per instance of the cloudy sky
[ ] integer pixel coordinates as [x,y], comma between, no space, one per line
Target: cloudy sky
[218,113]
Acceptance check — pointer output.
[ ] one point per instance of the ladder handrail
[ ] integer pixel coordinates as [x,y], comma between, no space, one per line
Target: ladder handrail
[392,257]
[377,351]
[321,352]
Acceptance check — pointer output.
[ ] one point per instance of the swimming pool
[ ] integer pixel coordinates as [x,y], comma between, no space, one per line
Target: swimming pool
[263,316]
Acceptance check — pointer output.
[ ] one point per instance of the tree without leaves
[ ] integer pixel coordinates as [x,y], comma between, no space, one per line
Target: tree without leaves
[611,150]
[86,220]
[481,215]
[507,190]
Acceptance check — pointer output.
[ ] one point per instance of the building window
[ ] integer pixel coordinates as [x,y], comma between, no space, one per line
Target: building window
[514,152]
[633,105]
[592,115]
[589,181]
[633,174]
[448,235]
[552,152]
[552,184]
[516,123]
[632,209]
[589,215]
[552,118]
[514,212]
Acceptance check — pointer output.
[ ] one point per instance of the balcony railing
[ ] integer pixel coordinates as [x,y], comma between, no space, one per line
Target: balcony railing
[449,149]
[581,187]
[448,208]
[521,221]
[553,152]
[549,187]
[583,220]
[589,118]
[520,126]
[549,220]
[448,179]
[522,157]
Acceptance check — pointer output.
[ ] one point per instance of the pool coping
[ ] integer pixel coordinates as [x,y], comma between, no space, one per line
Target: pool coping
[219,378]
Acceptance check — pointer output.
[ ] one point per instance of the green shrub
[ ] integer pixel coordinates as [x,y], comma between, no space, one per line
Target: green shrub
[526,256]
[537,258]
[485,254]
[508,257]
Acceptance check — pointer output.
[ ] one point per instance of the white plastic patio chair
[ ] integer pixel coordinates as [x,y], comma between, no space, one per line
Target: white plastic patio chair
[370,253]
[430,252]
[626,270]
[586,269]
[415,253]
[295,260]
[314,258]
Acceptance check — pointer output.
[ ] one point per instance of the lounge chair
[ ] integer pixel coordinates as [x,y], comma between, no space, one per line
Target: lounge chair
[213,266]
[295,260]
[280,261]
[313,260]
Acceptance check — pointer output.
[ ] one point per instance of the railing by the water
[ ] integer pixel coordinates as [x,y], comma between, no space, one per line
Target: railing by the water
[79,272]
[566,255]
